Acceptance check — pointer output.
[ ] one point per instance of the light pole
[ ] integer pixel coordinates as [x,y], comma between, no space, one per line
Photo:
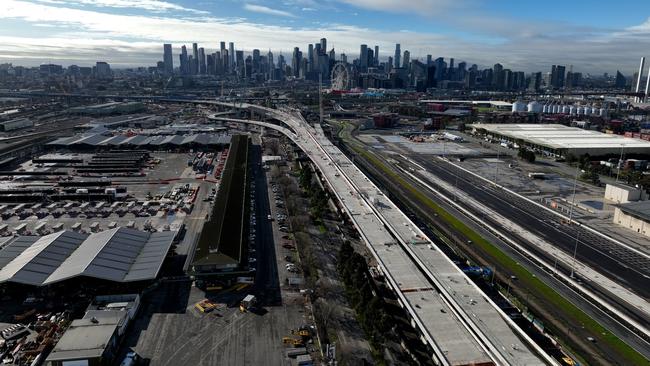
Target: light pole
[575,251]
[496,168]
[573,199]
[620,159]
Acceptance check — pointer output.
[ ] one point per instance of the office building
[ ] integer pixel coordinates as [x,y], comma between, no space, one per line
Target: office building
[558,74]
[363,58]
[398,55]
[201,61]
[103,70]
[376,60]
[185,67]
[168,59]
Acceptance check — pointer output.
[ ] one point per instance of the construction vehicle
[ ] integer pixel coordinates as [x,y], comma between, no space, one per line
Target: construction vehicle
[301,332]
[248,303]
[297,342]
[205,306]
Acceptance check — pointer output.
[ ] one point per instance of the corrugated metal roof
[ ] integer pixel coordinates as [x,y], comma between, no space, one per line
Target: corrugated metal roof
[150,259]
[33,265]
[112,255]
[114,141]
[133,140]
[13,249]
[119,255]
[92,140]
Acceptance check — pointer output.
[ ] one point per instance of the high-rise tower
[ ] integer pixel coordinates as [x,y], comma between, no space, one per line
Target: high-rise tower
[168,59]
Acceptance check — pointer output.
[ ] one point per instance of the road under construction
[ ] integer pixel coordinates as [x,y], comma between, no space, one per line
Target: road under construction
[455,318]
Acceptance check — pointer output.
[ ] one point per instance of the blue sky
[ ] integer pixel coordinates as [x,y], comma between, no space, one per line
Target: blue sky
[595,36]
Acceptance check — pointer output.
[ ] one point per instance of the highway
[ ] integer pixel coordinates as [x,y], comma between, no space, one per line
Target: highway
[616,262]
[459,322]
[481,218]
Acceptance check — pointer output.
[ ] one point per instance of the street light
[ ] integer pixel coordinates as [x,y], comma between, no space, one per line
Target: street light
[573,200]
[575,251]
[618,170]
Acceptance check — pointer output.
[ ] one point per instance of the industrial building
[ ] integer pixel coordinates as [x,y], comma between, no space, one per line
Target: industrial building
[222,246]
[16,124]
[561,140]
[634,216]
[116,255]
[620,193]
[108,108]
[154,142]
[95,338]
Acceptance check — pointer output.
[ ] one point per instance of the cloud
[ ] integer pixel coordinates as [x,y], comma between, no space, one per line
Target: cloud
[421,7]
[84,36]
[266,10]
[150,5]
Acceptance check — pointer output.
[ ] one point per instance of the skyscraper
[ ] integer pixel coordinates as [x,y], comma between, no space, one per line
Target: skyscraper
[363,58]
[231,53]
[310,58]
[201,62]
[497,77]
[323,45]
[375,62]
[195,59]
[185,67]
[407,60]
[296,59]
[168,59]
[558,74]
[398,55]
[256,60]
[621,81]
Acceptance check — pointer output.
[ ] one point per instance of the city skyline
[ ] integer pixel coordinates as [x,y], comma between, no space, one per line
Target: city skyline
[129,33]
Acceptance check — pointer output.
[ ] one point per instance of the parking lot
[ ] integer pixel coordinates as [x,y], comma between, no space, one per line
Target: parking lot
[174,331]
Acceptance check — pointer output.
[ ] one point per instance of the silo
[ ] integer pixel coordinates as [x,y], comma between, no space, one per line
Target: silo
[566,109]
[545,108]
[518,107]
[534,107]
[580,110]
[573,110]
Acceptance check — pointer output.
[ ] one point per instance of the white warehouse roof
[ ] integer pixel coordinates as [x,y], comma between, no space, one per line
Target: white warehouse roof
[560,137]
[120,255]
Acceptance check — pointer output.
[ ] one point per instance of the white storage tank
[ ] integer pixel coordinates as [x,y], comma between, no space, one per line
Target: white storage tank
[534,107]
[580,110]
[587,110]
[556,109]
[573,110]
[518,107]
[566,109]
[545,108]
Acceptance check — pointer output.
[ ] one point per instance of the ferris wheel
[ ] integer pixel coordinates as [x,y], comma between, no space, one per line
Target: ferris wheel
[339,77]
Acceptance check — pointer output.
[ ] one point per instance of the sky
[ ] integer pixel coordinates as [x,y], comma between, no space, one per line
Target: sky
[594,36]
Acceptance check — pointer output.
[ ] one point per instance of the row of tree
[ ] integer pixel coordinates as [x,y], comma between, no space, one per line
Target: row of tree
[369,307]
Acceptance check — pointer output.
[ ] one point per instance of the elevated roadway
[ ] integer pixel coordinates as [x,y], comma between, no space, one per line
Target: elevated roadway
[460,323]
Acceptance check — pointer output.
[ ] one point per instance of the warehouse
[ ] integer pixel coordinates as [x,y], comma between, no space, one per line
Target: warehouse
[117,255]
[222,246]
[634,216]
[155,142]
[16,124]
[561,140]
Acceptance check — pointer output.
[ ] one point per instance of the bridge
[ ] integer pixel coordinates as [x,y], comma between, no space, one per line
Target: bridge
[454,317]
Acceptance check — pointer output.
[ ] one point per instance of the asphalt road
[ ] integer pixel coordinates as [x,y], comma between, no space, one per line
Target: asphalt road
[573,329]
[621,265]
[267,283]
